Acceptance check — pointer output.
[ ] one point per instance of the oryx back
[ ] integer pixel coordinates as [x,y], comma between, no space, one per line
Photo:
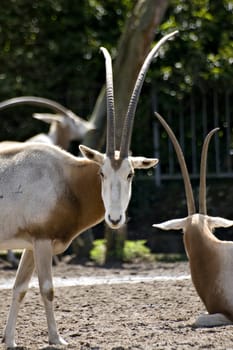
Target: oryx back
[30,186]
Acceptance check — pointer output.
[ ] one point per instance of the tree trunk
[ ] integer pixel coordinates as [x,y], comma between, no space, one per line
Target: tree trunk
[96,138]
[134,45]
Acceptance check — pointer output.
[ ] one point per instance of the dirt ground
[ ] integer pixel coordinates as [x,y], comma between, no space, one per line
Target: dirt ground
[126,316]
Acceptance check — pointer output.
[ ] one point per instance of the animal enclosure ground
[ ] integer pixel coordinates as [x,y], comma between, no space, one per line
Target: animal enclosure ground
[126,316]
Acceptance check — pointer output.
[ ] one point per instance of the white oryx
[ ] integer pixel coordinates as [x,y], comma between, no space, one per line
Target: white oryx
[210,259]
[48,197]
[65,126]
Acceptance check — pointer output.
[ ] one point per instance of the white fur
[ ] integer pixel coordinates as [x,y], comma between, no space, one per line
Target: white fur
[116,192]
[175,224]
[47,286]
[116,182]
[18,197]
[43,138]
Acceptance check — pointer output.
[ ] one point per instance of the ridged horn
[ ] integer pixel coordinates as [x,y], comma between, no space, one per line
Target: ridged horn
[110,143]
[184,170]
[129,119]
[36,101]
[203,166]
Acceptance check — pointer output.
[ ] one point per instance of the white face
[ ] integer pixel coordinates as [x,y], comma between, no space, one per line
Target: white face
[116,176]
[116,191]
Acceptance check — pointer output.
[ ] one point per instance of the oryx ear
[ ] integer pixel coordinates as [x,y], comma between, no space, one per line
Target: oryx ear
[92,154]
[215,222]
[49,118]
[143,163]
[176,224]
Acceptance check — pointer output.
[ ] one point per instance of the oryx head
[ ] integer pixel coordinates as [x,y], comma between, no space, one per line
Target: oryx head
[63,121]
[117,166]
[198,219]
[69,124]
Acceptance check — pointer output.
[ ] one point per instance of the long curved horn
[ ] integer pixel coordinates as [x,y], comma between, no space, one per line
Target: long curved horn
[110,144]
[36,101]
[129,119]
[202,186]
[184,170]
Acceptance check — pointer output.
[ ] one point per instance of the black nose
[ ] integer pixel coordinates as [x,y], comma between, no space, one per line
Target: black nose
[114,222]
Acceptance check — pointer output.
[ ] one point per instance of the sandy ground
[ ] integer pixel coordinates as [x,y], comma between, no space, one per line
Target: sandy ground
[126,316]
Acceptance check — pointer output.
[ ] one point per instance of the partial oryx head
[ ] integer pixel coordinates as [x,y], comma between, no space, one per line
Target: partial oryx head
[117,166]
[72,125]
[201,220]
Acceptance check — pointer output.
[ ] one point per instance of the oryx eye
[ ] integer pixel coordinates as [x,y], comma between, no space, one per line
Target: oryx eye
[130,176]
[101,175]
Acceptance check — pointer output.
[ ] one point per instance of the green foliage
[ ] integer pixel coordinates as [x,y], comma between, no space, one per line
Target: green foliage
[202,55]
[98,251]
[171,258]
[196,63]
[133,250]
[50,48]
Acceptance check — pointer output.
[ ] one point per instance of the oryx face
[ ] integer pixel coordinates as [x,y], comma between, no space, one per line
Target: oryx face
[116,175]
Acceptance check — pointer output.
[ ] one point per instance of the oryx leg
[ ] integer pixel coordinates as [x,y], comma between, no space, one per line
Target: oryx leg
[212,320]
[11,258]
[23,276]
[43,254]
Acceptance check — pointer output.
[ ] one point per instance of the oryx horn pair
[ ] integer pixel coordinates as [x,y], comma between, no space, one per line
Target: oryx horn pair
[129,118]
